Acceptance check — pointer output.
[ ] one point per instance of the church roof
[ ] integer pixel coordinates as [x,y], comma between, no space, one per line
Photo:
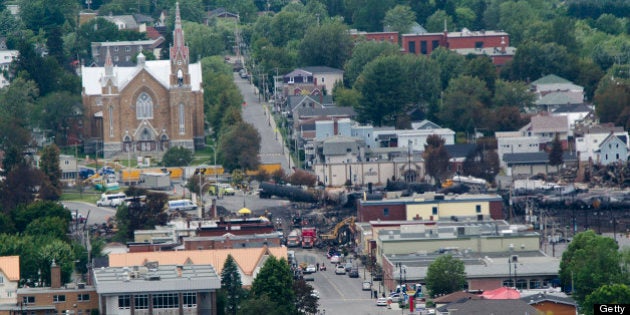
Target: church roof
[159,69]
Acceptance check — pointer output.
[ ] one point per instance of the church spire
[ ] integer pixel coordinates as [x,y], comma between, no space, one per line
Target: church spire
[178,33]
[109,65]
[179,54]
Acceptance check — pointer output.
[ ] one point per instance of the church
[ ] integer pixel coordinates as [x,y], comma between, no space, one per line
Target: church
[146,109]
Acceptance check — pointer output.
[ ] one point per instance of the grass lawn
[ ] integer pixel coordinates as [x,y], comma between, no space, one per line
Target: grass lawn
[89,196]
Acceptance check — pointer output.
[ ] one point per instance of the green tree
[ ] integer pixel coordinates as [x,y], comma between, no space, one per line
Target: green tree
[16,105]
[263,304]
[512,93]
[202,40]
[451,64]
[362,53]
[613,98]
[606,294]
[138,215]
[20,183]
[507,118]
[589,262]
[54,227]
[465,104]
[231,284]
[305,302]
[435,22]
[482,163]
[555,154]
[399,19]
[436,158]
[481,67]
[346,97]
[326,45]
[51,168]
[275,280]
[533,60]
[445,275]
[367,15]
[610,24]
[57,113]
[240,146]
[177,156]
[26,214]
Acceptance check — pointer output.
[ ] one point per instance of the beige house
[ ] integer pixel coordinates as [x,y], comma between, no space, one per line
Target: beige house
[434,207]
[336,173]
[9,278]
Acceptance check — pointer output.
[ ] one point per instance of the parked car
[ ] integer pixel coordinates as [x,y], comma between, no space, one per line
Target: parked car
[354,273]
[348,267]
[367,285]
[397,297]
[335,259]
[340,270]
[310,269]
[381,301]
[315,294]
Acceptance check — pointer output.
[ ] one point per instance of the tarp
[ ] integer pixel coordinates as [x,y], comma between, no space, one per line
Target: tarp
[502,293]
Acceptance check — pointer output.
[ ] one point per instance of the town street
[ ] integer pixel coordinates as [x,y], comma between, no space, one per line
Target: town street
[256,113]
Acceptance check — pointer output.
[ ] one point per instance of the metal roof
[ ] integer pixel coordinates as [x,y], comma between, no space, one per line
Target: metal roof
[164,278]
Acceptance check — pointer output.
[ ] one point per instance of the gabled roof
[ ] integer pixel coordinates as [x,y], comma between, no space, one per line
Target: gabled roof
[541,297]
[534,158]
[560,98]
[546,124]
[10,266]
[459,150]
[340,145]
[326,111]
[296,100]
[128,20]
[159,69]
[551,79]
[456,296]
[141,18]
[425,124]
[322,70]
[485,307]
[246,258]
[502,293]
[572,108]
[612,138]
[222,12]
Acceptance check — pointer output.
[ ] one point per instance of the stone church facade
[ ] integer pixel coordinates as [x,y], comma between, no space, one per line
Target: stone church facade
[146,109]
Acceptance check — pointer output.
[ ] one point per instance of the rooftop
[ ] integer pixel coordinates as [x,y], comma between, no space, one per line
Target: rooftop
[156,278]
[10,266]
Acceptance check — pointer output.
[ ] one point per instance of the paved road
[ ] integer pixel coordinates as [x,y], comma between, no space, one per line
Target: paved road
[97,215]
[256,113]
[340,294]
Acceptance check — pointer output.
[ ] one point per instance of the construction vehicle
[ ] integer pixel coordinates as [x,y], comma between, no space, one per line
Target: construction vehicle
[309,234]
[293,240]
[342,233]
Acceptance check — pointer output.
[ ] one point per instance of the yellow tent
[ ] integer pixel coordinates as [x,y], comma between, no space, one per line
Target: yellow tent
[245,211]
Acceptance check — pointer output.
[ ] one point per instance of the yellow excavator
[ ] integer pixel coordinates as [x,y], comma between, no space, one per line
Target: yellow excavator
[342,233]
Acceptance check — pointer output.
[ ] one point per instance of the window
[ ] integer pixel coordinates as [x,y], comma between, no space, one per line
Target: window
[127,49]
[182,119]
[189,299]
[435,44]
[59,298]
[434,211]
[28,299]
[478,45]
[144,106]
[111,121]
[141,302]
[115,48]
[386,212]
[127,58]
[116,58]
[478,208]
[423,47]
[412,46]
[124,302]
[1,279]
[323,79]
[83,297]
[166,300]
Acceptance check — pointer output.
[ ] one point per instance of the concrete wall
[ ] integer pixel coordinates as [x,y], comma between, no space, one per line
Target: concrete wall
[446,209]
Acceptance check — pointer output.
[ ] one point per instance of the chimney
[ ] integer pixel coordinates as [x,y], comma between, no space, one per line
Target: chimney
[55,276]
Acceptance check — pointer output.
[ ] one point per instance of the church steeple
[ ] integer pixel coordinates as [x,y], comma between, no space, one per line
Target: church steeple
[109,65]
[179,54]
[108,81]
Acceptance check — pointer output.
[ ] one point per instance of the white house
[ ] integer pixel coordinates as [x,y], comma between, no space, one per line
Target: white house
[514,142]
[589,143]
[6,57]
[613,149]
[546,127]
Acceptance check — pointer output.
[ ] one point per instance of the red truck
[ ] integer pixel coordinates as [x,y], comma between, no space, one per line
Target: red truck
[308,237]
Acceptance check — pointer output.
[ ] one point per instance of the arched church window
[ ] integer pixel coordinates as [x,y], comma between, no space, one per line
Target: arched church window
[180,77]
[182,119]
[144,106]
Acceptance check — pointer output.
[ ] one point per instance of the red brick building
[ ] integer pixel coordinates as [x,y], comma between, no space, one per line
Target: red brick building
[494,44]
[391,37]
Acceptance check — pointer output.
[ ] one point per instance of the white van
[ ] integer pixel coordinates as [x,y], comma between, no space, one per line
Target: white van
[111,200]
[182,204]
